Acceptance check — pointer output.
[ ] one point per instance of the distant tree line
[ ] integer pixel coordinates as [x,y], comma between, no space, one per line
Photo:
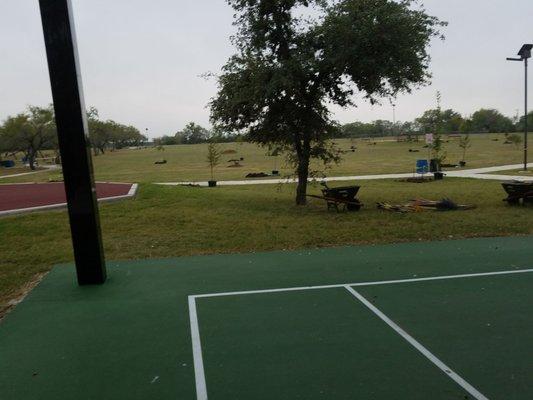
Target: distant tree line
[34,131]
[196,134]
[445,121]
[111,135]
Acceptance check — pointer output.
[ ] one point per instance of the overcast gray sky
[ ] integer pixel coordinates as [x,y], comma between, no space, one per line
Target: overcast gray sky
[142,60]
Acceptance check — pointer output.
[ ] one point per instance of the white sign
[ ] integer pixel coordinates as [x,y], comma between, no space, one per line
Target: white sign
[429,138]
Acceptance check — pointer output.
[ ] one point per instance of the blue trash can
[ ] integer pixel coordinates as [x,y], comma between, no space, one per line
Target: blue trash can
[422,166]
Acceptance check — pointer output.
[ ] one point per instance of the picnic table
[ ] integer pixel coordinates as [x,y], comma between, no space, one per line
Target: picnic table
[340,198]
[518,191]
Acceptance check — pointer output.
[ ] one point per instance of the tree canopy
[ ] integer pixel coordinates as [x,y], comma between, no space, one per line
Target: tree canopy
[34,130]
[290,67]
[110,134]
[491,121]
[192,134]
[448,121]
[521,123]
[29,132]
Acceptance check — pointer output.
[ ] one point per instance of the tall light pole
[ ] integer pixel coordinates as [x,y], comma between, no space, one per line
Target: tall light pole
[525,55]
[393,118]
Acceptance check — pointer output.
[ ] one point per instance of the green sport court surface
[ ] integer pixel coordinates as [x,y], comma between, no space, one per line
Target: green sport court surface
[440,320]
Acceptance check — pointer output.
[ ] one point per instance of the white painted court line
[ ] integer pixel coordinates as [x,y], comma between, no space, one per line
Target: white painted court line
[389,282]
[199,375]
[413,342]
[133,190]
[201,388]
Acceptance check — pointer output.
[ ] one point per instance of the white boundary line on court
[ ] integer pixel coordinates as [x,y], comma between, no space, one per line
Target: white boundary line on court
[131,193]
[431,278]
[413,342]
[201,387]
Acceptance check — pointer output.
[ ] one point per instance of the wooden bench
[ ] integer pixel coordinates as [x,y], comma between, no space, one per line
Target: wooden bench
[518,191]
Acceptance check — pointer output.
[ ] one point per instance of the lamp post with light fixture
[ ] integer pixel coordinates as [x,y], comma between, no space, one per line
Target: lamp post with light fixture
[525,55]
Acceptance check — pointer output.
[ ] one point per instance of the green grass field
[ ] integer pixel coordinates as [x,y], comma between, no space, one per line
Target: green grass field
[166,222]
[516,172]
[180,221]
[188,162]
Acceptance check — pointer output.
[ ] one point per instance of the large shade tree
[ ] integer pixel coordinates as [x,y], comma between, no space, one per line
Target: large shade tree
[491,121]
[99,135]
[111,134]
[29,133]
[521,122]
[192,134]
[296,57]
[449,121]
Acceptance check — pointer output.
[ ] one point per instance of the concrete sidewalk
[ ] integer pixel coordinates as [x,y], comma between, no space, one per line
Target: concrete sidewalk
[45,168]
[477,173]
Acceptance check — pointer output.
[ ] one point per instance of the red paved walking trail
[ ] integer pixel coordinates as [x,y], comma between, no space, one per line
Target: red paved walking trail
[15,197]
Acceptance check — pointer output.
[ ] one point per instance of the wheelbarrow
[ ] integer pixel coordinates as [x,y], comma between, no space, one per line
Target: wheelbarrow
[340,198]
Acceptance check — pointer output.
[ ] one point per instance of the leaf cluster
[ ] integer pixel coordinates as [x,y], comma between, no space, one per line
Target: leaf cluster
[296,58]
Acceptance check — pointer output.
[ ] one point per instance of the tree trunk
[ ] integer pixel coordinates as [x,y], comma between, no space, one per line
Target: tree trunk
[31,160]
[303,174]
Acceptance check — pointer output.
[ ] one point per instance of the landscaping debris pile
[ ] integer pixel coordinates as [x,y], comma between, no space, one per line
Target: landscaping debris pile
[257,175]
[419,205]
[236,163]
[417,179]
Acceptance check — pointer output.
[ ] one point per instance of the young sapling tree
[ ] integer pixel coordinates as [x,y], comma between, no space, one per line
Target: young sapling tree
[213,159]
[465,144]
[515,139]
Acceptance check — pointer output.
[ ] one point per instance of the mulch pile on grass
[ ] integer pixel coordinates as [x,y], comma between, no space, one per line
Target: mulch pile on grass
[417,180]
[257,175]
[420,205]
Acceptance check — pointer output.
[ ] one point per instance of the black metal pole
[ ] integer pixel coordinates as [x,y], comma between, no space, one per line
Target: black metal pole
[525,121]
[71,121]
